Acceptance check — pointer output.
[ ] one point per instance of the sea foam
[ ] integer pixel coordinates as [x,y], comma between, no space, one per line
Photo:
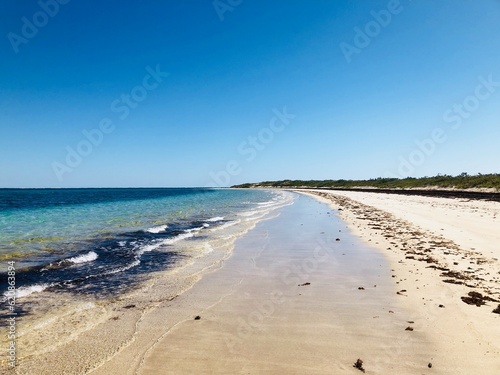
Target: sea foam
[84,258]
[158,229]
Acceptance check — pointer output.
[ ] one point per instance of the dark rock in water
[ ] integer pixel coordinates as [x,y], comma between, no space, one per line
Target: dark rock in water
[359,365]
[305,284]
[197,317]
[337,239]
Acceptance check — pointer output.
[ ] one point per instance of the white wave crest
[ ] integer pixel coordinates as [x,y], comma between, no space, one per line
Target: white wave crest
[215,219]
[227,225]
[27,290]
[158,229]
[252,213]
[180,237]
[136,262]
[266,204]
[84,258]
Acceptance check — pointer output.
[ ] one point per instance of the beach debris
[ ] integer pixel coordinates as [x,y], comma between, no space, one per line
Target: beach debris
[129,307]
[441,306]
[497,310]
[197,317]
[409,328]
[337,239]
[361,288]
[455,275]
[474,298]
[429,365]
[359,365]
[305,284]
[452,281]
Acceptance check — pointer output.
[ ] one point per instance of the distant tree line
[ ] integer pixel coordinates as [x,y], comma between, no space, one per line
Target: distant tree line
[462,181]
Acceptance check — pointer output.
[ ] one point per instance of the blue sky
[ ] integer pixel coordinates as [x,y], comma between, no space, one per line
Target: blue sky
[423,73]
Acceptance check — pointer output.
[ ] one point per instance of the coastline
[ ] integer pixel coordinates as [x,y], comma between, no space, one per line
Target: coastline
[300,294]
[65,332]
[440,250]
[309,288]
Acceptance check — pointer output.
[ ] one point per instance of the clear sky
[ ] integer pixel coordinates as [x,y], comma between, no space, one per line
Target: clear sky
[203,92]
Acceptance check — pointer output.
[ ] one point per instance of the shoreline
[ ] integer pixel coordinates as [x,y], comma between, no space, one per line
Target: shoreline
[310,288]
[66,332]
[300,294]
[429,243]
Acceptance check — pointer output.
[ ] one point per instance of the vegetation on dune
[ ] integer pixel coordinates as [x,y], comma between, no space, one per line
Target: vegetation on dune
[460,182]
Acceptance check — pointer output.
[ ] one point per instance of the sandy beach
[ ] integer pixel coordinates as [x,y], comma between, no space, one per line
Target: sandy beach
[315,286]
[300,295]
[442,253]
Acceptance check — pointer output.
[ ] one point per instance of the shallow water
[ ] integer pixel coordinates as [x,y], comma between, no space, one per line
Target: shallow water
[105,242]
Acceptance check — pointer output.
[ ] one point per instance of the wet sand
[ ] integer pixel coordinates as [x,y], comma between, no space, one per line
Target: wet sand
[299,295]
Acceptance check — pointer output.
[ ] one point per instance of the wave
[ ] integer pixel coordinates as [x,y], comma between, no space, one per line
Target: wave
[84,258]
[252,213]
[194,230]
[136,262]
[215,219]
[157,229]
[266,204]
[27,290]
[188,233]
[228,224]
[179,237]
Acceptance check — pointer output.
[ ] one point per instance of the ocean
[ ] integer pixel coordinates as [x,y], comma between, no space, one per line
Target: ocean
[107,241]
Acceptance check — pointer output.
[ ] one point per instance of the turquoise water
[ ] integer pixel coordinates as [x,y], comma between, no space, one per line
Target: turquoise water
[33,222]
[76,237]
